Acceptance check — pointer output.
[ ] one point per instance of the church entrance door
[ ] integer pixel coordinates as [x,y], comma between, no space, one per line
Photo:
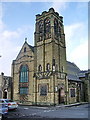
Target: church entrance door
[61,95]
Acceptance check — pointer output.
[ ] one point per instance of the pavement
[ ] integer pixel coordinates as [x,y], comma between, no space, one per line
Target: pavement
[58,106]
[74,104]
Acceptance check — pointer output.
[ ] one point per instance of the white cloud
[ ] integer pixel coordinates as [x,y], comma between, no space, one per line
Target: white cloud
[80,55]
[10,45]
[58,6]
[77,44]
[0,10]
[72,31]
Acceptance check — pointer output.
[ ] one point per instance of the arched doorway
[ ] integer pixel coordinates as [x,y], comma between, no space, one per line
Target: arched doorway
[5,94]
[61,95]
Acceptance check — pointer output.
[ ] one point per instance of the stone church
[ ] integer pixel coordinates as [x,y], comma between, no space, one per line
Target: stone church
[41,74]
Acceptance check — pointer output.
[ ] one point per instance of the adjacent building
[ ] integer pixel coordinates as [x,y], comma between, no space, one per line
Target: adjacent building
[5,87]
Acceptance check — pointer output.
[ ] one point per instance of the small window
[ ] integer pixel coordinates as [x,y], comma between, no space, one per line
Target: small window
[25,49]
[39,68]
[48,67]
[43,90]
[72,92]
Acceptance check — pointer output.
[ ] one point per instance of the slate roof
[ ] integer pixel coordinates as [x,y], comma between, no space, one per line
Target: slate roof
[71,67]
[72,71]
[83,73]
[73,77]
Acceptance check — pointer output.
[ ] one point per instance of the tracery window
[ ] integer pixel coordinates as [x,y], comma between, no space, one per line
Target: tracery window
[23,82]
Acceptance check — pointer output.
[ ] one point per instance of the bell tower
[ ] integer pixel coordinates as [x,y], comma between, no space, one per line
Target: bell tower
[50,55]
[50,41]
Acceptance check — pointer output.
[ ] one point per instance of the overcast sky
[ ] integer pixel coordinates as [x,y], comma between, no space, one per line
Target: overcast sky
[17,21]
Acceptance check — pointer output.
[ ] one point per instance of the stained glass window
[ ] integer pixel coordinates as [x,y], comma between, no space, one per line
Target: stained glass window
[23,79]
[24,74]
[23,90]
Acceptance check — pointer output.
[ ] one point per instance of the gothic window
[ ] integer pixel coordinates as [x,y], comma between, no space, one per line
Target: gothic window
[23,79]
[48,67]
[56,27]
[47,28]
[72,92]
[43,90]
[24,74]
[39,68]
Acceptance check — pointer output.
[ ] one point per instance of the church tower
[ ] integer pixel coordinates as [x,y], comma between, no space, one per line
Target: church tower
[50,83]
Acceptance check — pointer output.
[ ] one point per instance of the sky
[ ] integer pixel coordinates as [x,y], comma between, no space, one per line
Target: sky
[17,22]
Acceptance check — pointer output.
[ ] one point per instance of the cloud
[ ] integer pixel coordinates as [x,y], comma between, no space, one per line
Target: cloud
[58,6]
[73,30]
[80,55]
[0,11]
[10,45]
[77,44]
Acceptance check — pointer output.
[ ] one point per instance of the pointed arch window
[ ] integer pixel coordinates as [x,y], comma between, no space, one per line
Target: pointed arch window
[23,82]
[24,73]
